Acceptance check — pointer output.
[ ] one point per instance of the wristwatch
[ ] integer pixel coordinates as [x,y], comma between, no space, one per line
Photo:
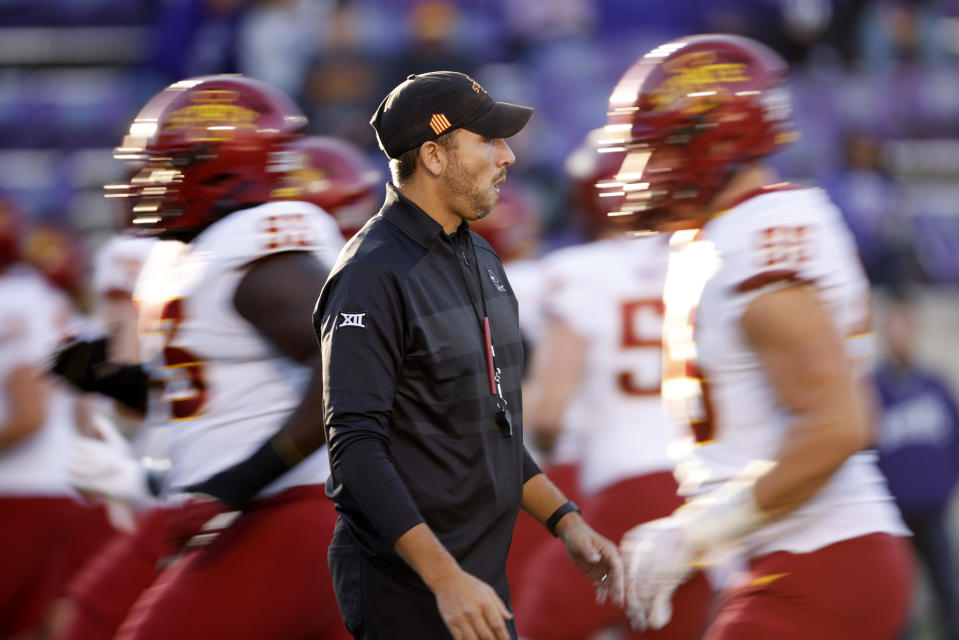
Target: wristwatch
[561,511]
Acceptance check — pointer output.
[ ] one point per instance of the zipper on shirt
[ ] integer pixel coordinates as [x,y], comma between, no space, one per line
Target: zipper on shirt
[459,246]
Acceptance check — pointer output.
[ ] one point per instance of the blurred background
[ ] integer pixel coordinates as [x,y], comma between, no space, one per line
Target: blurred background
[876,86]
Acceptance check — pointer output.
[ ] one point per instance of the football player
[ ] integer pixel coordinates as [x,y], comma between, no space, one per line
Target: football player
[765,345]
[230,366]
[61,256]
[116,267]
[47,530]
[596,372]
[335,176]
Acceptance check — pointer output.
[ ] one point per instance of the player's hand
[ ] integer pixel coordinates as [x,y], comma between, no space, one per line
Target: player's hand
[75,361]
[471,609]
[658,559]
[199,521]
[596,556]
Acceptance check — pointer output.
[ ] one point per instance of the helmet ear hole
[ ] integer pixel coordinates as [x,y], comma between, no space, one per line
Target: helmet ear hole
[217,180]
[724,147]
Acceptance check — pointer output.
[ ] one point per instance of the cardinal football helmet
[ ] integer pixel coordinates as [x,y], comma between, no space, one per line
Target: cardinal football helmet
[687,114]
[209,145]
[60,255]
[335,176]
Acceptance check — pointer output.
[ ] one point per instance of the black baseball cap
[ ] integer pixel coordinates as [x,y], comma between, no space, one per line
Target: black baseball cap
[427,105]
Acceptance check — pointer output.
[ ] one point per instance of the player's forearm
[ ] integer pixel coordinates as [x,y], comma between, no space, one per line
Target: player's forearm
[817,445]
[26,406]
[119,312]
[557,368]
[805,361]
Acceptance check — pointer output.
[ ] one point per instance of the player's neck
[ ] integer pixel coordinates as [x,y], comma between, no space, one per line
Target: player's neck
[750,178]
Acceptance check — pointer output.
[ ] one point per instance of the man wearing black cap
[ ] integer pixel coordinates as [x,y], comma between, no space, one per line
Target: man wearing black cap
[422,360]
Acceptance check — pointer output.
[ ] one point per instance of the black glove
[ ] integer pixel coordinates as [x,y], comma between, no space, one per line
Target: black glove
[76,360]
[84,365]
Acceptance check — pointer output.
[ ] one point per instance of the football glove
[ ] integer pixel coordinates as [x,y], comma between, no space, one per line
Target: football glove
[84,364]
[104,469]
[75,360]
[658,559]
[660,555]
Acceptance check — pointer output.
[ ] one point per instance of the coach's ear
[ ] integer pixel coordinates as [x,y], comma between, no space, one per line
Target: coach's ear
[435,157]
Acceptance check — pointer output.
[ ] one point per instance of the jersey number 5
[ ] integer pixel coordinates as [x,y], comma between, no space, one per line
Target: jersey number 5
[642,327]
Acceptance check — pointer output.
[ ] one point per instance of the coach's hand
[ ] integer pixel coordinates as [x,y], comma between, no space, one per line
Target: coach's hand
[199,521]
[470,608]
[595,556]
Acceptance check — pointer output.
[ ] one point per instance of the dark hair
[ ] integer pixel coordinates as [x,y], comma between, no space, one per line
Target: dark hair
[404,167]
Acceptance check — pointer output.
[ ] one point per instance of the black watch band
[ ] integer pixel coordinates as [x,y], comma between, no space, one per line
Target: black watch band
[561,511]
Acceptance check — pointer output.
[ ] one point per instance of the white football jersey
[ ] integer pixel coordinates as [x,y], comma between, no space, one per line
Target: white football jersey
[528,279]
[225,388]
[118,263]
[714,383]
[33,318]
[610,293]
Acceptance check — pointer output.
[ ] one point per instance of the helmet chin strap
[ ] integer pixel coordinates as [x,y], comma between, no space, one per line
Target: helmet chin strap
[731,170]
[220,209]
[228,203]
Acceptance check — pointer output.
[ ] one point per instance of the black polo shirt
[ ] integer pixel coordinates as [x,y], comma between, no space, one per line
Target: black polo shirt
[408,410]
